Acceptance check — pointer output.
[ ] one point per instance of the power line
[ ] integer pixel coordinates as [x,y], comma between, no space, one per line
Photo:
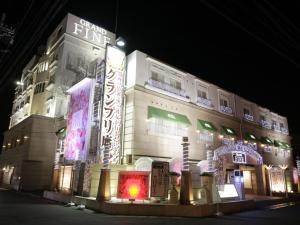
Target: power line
[279,52]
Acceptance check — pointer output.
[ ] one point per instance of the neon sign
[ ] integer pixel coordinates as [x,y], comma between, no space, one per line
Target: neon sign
[133,185]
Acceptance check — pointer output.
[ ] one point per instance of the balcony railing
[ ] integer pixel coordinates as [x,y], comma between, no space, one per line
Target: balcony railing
[167,87]
[226,109]
[276,128]
[248,117]
[204,102]
[265,124]
[284,130]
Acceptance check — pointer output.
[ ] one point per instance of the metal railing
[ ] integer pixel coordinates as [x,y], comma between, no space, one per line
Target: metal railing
[226,109]
[204,101]
[248,117]
[167,87]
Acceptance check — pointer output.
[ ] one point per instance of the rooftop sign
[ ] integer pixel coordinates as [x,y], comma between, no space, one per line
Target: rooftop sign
[89,32]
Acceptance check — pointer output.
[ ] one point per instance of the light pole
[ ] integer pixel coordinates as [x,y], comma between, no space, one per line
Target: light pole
[284,167]
[269,167]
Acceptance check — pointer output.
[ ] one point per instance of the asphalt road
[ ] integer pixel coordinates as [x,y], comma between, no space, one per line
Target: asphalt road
[24,209]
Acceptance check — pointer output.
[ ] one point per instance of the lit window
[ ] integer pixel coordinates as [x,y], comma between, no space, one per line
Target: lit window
[202,94]
[246,111]
[223,102]
[174,83]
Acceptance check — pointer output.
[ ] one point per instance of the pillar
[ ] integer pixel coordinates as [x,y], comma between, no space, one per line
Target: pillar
[104,186]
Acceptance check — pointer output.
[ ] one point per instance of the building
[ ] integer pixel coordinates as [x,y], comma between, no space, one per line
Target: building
[164,103]
[143,107]
[41,94]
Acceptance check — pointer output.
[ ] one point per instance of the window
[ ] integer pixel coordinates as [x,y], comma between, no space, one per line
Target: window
[262,118]
[39,88]
[160,126]
[281,125]
[157,77]
[246,111]
[27,99]
[223,102]
[175,84]
[274,123]
[202,94]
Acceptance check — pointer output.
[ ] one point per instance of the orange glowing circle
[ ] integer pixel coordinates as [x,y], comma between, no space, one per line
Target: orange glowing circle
[133,191]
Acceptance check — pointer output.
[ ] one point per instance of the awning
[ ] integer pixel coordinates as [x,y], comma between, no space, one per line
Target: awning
[205,125]
[167,115]
[250,136]
[61,133]
[287,146]
[279,144]
[266,140]
[228,131]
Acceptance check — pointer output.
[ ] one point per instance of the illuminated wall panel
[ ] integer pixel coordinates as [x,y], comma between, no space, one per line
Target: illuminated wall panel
[78,120]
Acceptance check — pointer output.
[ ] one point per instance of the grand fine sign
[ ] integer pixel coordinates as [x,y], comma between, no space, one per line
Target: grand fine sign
[239,158]
[89,32]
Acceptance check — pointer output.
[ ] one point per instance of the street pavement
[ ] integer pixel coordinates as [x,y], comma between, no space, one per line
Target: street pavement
[26,209]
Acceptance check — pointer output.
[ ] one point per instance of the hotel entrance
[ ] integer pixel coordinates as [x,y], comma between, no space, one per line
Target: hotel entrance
[250,179]
[249,174]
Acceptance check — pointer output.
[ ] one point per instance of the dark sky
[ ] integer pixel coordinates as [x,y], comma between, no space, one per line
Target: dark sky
[251,48]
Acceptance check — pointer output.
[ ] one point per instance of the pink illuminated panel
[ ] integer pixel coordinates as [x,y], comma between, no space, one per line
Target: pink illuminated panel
[77,121]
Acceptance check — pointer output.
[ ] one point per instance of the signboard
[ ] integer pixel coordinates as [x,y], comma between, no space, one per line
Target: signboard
[113,100]
[298,166]
[89,32]
[239,157]
[159,179]
[77,121]
[133,185]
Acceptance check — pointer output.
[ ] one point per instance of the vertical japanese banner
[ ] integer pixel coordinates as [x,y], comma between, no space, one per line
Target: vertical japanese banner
[113,100]
[78,121]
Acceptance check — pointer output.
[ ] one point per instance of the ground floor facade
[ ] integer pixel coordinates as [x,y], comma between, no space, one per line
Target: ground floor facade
[27,157]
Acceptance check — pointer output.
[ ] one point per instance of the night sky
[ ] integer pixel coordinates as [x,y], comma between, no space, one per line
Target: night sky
[251,48]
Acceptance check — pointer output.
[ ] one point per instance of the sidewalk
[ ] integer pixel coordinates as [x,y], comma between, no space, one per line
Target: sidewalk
[152,209]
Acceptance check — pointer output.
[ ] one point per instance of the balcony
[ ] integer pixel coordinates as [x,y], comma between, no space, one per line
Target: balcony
[166,89]
[276,128]
[265,124]
[284,130]
[248,117]
[226,109]
[204,102]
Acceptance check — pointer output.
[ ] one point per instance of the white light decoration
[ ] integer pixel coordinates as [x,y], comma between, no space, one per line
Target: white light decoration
[113,100]
[240,147]
[185,151]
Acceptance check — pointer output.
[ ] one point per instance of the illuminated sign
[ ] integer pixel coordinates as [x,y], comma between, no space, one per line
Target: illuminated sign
[113,100]
[77,121]
[89,32]
[239,157]
[277,180]
[227,191]
[133,185]
[159,179]
[295,176]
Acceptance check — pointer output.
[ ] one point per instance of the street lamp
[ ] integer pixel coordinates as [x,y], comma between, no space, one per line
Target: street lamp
[120,42]
[19,83]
